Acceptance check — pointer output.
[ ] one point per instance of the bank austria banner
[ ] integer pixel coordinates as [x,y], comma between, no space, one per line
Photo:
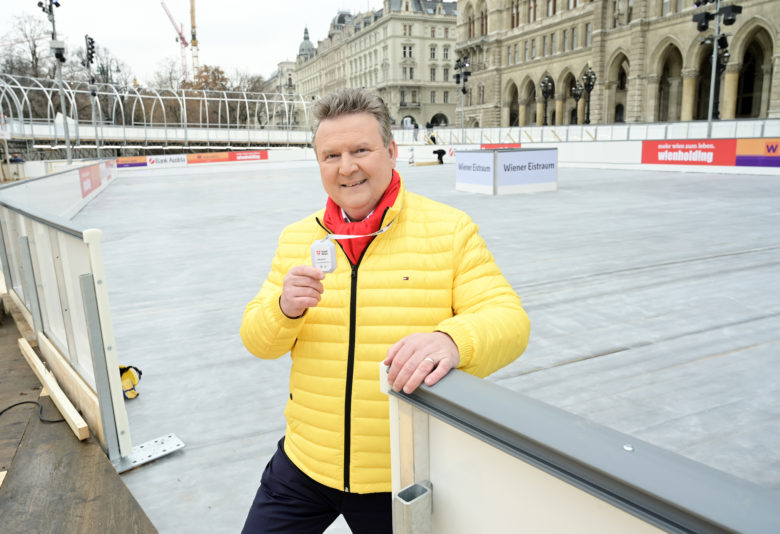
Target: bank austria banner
[722,152]
[181,160]
[173,160]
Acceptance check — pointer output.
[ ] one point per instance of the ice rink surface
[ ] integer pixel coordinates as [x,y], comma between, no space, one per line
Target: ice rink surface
[654,300]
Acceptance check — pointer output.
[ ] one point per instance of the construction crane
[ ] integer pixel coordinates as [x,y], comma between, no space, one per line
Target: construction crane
[185,75]
[194,40]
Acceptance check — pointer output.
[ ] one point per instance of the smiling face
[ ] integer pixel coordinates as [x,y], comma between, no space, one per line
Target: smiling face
[355,165]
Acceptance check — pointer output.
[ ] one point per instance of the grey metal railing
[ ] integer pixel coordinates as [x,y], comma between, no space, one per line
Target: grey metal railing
[130,115]
[463,427]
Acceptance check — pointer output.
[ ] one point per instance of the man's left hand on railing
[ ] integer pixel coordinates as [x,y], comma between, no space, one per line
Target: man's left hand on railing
[421,357]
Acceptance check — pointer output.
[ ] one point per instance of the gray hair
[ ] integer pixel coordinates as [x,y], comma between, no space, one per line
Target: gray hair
[348,101]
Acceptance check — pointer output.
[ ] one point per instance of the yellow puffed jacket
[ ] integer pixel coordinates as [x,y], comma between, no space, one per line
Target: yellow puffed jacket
[429,271]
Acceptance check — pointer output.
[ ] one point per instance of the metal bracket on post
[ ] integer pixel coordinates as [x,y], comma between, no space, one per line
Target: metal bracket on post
[30,288]
[412,507]
[144,453]
[410,450]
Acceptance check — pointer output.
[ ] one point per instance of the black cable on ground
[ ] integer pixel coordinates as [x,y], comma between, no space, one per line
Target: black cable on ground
[40,411]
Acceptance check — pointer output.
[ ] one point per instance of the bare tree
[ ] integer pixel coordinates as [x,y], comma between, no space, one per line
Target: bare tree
[243,81]
[25,50]
[167,76]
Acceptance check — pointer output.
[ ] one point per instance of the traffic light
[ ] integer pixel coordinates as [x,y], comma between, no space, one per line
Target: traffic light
[703,21]
[730,14]
[90,46]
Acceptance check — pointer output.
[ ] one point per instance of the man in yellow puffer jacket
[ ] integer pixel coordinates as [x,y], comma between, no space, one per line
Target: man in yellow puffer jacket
[409,281]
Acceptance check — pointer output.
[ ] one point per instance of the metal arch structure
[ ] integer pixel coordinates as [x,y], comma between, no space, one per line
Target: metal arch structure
[131,117]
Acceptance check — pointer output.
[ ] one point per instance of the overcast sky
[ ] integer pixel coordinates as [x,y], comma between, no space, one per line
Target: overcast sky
[248,35]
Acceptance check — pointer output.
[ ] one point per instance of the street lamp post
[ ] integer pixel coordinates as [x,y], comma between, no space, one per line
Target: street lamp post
[720,52]
[546,86]
[461,77]
[588,83]
[576,93]
[59,52]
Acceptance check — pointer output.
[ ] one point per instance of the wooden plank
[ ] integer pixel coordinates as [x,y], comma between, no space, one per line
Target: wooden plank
[79,392]
[60,485]
[68,411]
[19,314]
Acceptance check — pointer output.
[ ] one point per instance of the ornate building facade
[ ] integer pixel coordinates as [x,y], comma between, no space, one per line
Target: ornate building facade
[651,61]
[405,51]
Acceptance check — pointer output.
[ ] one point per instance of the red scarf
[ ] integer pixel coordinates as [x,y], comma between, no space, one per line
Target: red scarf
[334,221]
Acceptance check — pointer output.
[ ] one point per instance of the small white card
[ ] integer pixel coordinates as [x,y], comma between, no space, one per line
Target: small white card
[323,255]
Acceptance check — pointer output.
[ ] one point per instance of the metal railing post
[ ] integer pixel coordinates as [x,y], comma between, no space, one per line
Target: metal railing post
[30,288]
[4,259]
[89,298]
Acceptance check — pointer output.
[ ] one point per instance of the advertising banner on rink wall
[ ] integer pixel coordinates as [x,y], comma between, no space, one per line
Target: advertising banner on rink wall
[131,161]
[758,152]
[723,152]
[174,160]
[488,146]
[181,160]
[90,178]
[690,152]
[208,157]
[248,155]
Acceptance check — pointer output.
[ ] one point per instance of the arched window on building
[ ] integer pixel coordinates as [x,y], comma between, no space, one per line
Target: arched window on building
[751,79]
[514,106]
[669,103]
[701,106]
[617,87]
[620,113]
[481,95]
[622,81]
[530,104]
[550,8]
[483,19]
[531,11]
[754,82]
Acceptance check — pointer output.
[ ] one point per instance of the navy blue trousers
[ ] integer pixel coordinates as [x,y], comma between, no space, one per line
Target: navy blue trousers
[290,502]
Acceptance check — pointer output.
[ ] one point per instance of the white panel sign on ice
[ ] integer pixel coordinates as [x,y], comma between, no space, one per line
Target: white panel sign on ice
[474,172]
[527,171]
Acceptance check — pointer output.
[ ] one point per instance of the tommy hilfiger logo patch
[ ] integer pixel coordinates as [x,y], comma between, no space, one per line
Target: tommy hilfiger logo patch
[405,278]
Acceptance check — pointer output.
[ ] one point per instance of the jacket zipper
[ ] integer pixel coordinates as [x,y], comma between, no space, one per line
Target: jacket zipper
[350,373]
[351,353]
